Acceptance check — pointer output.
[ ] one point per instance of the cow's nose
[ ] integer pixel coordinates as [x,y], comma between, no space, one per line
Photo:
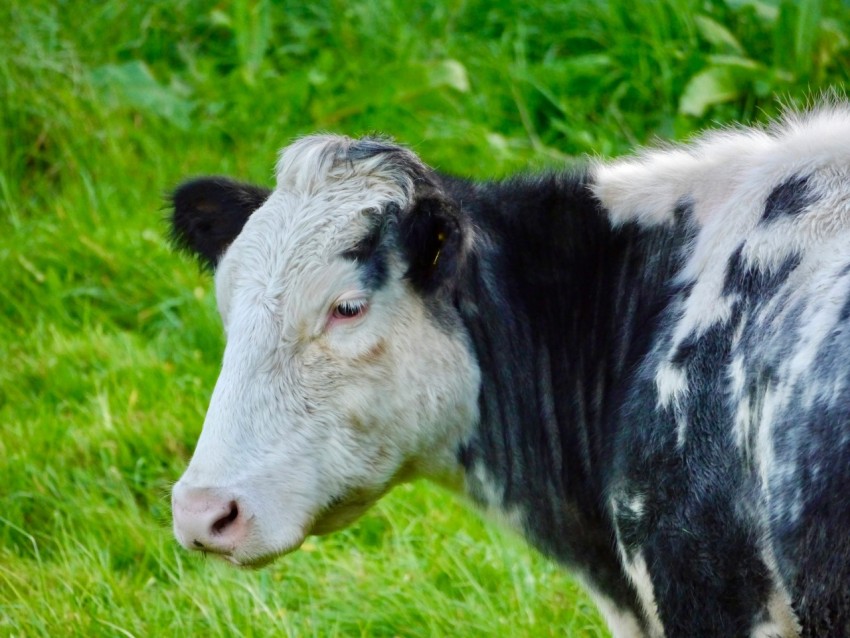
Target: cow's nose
[208,519]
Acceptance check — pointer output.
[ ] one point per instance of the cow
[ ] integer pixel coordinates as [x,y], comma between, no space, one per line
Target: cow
[640,365]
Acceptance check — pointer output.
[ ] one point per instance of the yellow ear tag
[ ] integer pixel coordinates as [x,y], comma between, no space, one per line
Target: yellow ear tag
[441,237]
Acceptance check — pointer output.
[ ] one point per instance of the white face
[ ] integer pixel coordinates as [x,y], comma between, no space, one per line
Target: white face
[337,380]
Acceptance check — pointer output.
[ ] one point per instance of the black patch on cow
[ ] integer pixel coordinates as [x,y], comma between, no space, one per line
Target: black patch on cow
[683,212]
[789,199]
[751,281]
[404,164]
[209,213]
[685,350]
[559,307]
[371,253]
[810,505]
[701,544]
[465,456]
[634,524]
[844,315]
[369,147]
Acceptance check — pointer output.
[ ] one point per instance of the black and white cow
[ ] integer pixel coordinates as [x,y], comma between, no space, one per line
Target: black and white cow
[643,367]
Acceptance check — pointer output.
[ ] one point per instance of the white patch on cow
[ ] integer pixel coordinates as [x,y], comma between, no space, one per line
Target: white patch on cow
[781,621]
[743,427]
[637,505]
[743,424]
[635,567]
[671,382]
[622,622]
[764,439]
[488,494]
[739,331]
[704,307]
[310,164]
[647,188]
[826,294]
[638,574]
[312,420]
[737,375]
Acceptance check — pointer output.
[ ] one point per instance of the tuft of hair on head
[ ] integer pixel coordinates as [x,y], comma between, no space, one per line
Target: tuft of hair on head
[306,165]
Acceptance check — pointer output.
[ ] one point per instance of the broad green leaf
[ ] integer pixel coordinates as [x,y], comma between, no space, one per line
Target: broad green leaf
[737,62]
[132,84]
[715,33]
[220,19]
[449,73]
[588,63]
[711,86]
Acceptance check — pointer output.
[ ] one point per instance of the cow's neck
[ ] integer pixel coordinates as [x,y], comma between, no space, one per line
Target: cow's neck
[559,307]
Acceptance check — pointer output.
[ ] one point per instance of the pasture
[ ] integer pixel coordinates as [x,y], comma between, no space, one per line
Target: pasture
[111,343]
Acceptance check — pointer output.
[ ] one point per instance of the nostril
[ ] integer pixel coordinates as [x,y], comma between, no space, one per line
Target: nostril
[225,521]
[210,520]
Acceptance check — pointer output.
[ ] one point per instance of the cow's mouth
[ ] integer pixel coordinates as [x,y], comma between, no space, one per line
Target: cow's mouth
[258,549]
[338,514]
[259,560]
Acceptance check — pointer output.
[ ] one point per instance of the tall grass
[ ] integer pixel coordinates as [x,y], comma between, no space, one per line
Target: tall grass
[110,344]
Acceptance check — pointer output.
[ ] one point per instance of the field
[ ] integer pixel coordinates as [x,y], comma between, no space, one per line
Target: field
[110,343]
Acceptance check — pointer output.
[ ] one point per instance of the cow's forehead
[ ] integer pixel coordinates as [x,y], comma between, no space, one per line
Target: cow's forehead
[329,192]
[329,189]
[313,164]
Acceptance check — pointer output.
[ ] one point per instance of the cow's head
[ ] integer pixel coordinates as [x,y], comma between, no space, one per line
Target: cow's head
[347,368]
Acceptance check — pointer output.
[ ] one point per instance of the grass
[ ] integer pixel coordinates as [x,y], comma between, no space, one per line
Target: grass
[110,343]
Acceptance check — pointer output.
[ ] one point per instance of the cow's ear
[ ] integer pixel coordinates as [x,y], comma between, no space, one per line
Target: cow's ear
[209,212]
[434,237]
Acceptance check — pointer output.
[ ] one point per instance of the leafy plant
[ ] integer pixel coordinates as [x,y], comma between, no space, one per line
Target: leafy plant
[806,47]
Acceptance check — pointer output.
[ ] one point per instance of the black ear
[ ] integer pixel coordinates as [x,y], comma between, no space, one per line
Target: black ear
[433,235]
[209,212]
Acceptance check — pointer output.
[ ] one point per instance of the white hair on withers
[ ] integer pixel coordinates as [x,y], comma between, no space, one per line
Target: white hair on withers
[648,186]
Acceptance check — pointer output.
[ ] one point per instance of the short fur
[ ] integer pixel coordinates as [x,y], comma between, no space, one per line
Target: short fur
[640,367]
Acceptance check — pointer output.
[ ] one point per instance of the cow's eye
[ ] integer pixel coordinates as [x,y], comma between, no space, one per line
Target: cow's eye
[349,309]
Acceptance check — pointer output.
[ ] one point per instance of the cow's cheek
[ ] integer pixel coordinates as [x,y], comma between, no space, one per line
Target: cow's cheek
[430,398]
[390,410]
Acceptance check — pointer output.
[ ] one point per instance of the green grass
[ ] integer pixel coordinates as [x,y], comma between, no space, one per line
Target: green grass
[110,343]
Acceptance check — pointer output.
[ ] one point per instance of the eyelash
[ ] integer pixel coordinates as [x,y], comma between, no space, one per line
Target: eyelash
[349,309]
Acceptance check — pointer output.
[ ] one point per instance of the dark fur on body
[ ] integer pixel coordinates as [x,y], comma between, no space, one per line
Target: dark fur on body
[568,317]
[561,308]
